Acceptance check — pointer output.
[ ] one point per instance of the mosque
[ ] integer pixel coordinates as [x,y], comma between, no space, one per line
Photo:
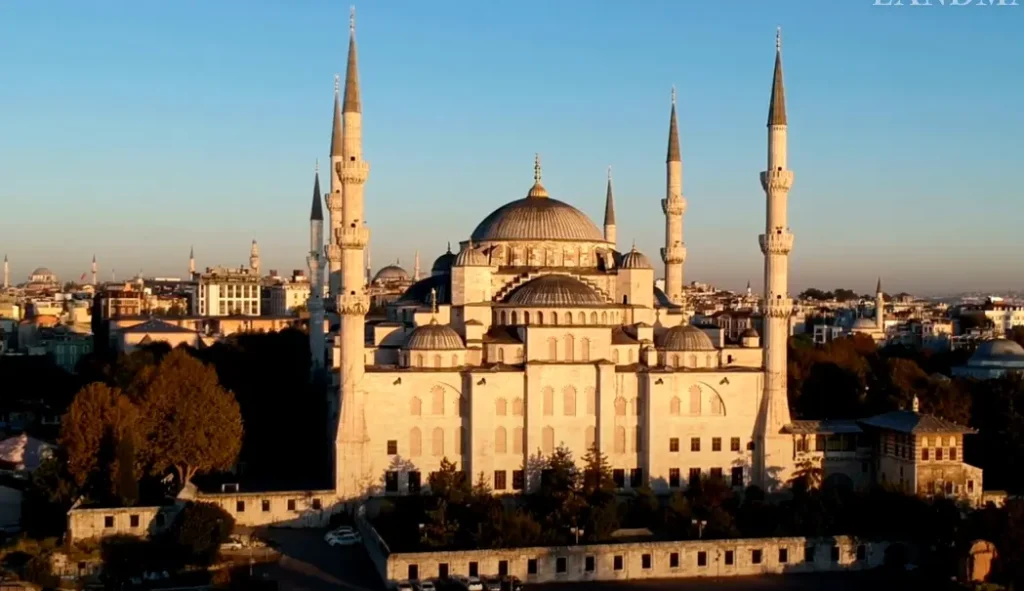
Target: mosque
[539,331]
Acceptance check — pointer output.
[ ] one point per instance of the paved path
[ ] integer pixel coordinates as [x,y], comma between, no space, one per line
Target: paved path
[307,563]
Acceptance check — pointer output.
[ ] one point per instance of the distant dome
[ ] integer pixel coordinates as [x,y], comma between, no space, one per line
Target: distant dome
[750,333]
[864,324]
[998,352]
[634,259]
[687,338]
[391,273]
[555,290]
[434,337]
[471,257]
[443,264]
[418,294]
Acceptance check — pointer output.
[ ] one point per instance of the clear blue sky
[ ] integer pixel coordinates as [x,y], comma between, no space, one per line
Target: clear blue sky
[134,129]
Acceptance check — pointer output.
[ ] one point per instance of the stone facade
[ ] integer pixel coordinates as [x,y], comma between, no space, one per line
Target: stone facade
[87,524]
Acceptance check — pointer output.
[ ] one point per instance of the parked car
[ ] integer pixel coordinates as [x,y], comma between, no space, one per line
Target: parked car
[510,583]
[474,584]
[344,539]
[427,585]
[345,529]
[404,586]
[232,544]
[491,583]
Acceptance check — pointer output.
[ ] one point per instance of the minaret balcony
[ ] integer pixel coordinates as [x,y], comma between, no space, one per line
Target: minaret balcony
[674,254]
[354,304]
[352,171]
[778,307]
[778,242]
[776,180]
[673,205]
[334,201]
[357,237]
[333,252]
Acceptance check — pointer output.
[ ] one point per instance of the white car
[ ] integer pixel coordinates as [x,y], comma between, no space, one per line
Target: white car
[474,584]
[345,529]
[427,586]
[344,539]
[404,586]
[232,544]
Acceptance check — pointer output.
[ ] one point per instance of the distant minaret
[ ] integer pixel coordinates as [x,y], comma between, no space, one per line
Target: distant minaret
[416,267]
[348,175]
[94,270]
[673,205]
[335,201]
[775,450]
[609,212]
[879,306]
[254,258]
[749,292]
[315,305]
[7,273]
[369,266]
[191,262]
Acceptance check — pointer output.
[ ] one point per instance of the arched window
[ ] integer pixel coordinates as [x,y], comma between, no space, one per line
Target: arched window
[519,354]
[437,400]
[416,406]
[501,355]
[548,395]
[460,440]
[499,440]
[568,317]
[620,407]
[620,440]
[419,360]
[593,317]
[693,361]
[694,399]
[591,437]
[540,317]
[604,317]
[461,407]
[570,346]
[503,317]
[526,317]
[569,401]
[547,440]
[500,407]
[515,318]
[631,355]
[517,440]
[437,361]
[710,361]
[517,407]
[437,445]
[554,318]
[415,442]
[553,348]
[582,318]
[591,396]
[615,356]
[717,407]
[585,349]
[673,406]
[638,441]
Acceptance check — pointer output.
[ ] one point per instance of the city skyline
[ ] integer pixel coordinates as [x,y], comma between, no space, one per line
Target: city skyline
[184,128]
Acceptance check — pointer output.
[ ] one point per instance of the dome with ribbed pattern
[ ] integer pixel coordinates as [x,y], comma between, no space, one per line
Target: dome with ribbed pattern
[537,218]
[687,338]
[471,257]
[555,290]
[434,337]
[634,259]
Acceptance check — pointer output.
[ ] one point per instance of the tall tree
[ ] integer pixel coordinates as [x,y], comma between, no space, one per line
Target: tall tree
[190,423]
[97,420]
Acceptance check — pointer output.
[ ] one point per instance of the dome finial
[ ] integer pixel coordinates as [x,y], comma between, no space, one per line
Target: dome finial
[778,39]
[634,245]
[433,303]
[352,20]
[449,247]
[536,168]
[537,190]
[337,84]
[673,95]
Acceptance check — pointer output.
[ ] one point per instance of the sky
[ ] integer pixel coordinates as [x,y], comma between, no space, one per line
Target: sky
[134,130]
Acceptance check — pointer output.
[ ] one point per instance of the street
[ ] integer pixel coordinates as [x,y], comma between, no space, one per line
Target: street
[307,563]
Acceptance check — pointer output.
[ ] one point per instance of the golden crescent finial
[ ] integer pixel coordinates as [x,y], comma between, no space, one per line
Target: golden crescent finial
[337,84]
[316,167]
[609,173]
[673,95]
[352,20]
[536,168]
[778,39]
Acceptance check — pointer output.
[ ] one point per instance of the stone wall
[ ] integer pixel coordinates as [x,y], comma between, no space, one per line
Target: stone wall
[652,560]
[280,508]
[85,524]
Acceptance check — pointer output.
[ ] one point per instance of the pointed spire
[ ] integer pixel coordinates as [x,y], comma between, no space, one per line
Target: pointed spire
[537,190]
[449,247]
[337,132]
[352,104]
[609,202]
[777,104]
[673,133]
[878,287]
[316,214]
[93,258]
[191,252]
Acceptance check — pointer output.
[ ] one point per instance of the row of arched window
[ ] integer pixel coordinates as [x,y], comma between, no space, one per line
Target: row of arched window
[568,401]
[555,318]
[568,349]
[520,256]
[437,404]
[547,440]
[715,405]
[693,360]
[419,360]
[437,442]
[630,356]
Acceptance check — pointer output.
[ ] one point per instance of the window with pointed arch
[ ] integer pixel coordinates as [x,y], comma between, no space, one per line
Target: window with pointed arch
[620,407]
[500,407]
[547,440]
[584,349]
[694,399]
[515,318]
[419,360]
[548,396]
[620,440]
[590,438]
[554,318]
[504,318]
[415,442]
[517,440]
[437,400]
[517,407]
[552,349]
[570,346]
[569,401]
[437,442]
[501,355]
[455,360]
[631,356]
[499,440]
[416,406]
[673,406]
[591,394]
[604,317]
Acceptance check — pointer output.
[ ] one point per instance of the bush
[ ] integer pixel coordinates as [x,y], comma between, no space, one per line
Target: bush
[199,530]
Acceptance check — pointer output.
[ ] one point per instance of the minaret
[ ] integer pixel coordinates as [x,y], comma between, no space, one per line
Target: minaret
[609,212]
[94,269]
[349,173]
[315,305]
[416,267]
[674,205]
[334,197]
[369,266]
[879,306]
[774,457]
[7,273]
[254,258]
[191,262]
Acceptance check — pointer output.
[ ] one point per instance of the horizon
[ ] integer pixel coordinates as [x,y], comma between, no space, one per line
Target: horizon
[184,126]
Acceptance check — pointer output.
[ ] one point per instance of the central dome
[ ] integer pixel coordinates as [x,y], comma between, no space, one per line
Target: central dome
[537,218]
[555,290]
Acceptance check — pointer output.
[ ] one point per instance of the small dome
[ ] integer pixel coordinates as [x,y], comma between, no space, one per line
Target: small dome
[555,290]
[864,324]
[443,264]
[471,257]
[1001,352]
[434,337]
[418,294]
[687,338]
[750,333]
[391,273]
[634,259]
[42,271]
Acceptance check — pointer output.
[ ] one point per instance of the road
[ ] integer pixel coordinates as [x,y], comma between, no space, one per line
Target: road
[843,581]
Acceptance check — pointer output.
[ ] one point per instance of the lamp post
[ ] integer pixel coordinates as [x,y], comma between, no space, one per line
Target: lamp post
[700,523]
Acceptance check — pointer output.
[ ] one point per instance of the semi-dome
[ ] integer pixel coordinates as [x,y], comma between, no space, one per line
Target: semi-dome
[687,338]
[471,257]
[391,273]
[434,337]
[443,264]
[634,259]
[555,290]
[419,293]
[1002,352]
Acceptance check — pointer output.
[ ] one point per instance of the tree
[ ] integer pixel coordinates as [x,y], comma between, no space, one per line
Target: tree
[190,423]
[597,472]
[98,419]
[198,531]
[126,485]
[449,483]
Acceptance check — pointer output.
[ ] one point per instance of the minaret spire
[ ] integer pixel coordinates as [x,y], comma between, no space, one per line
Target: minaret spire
[315,261]
[191,263]
[879,306]
[352,104]
[7,273]
[609,211]
[673,133]
[316,212]
[673,206]
[416,267]
[777,103]
[93,269]
[337,131]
